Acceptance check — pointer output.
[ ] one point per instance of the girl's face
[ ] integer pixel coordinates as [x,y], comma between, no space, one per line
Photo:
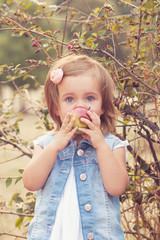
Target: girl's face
[82,90]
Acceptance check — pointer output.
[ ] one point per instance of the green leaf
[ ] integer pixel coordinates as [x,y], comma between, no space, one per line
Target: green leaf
[16,198]
[8,182]
[21,34]
[155,19]
[25,86]
[19,221]
[18,65]
[30,218]
[96,10]
[94,35]
[28,5]
[29,194]
[3,66]
[18,179]
[83,35]
[21,171]
[25,77]
[144,166]
[115,27]
[94,46]
[101,32]
[151,30]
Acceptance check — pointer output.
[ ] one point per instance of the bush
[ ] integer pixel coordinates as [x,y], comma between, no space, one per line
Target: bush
[125,38]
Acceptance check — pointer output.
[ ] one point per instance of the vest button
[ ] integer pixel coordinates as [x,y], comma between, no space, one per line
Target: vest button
[90,236]
[88,207]
[83,176]
[80,152]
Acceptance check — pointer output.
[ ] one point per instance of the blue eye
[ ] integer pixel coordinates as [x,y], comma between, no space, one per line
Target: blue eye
[90,98]
[69,99]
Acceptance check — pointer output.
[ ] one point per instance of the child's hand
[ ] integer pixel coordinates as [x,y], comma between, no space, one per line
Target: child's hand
[93,133]
[66,133]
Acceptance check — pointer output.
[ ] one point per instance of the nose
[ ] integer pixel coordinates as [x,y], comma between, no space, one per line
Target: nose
[80,103]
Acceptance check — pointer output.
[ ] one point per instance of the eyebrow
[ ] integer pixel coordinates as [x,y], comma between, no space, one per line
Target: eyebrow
[72,94]
[67,94]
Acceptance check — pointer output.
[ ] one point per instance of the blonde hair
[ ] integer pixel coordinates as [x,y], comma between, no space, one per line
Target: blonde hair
[74,65]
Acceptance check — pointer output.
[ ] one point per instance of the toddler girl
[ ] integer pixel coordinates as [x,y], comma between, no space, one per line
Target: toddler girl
[78,176]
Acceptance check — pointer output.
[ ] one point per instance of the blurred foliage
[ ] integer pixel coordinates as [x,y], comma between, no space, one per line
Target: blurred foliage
[125,37]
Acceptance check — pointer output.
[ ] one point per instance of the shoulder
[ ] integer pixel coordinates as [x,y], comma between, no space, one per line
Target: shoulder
[44,140]
[112,140]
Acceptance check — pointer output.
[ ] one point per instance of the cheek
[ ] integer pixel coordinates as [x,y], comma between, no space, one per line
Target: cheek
[63,111]
[99,111]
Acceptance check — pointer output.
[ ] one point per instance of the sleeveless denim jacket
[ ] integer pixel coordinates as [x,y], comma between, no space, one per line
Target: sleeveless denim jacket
[99,211]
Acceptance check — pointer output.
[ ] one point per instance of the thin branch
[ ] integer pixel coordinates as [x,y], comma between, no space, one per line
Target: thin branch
[99,50]
[147,137]
[87,4]
[128,71]
[15,78]
[141,161]
[12,235]
[132,75]
[17,214]
[16,146]
[46,18]
[139,34]
[65,25]
[135,233]
[29,33]
[12,159]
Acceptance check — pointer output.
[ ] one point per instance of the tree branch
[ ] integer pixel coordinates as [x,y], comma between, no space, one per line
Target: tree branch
[15,213]
[12,235]
[147,137]
[128,71]
[16,146]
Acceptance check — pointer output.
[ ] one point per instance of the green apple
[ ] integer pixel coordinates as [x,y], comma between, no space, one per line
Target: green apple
[78,113]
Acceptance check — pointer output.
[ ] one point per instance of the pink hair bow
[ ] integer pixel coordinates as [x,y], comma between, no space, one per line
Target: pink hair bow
[56,75]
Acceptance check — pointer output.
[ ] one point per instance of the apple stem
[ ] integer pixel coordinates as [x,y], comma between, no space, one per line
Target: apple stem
[89,108]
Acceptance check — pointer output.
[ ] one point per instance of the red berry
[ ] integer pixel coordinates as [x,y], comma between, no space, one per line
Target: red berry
[58,31]
[34,44]
[134,113]
[118,102]
[37,51]
[70,47]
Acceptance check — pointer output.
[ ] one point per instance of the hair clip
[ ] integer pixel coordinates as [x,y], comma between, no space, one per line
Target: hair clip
[56,75]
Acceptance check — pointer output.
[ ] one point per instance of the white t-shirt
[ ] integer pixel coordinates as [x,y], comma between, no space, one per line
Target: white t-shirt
[68,222]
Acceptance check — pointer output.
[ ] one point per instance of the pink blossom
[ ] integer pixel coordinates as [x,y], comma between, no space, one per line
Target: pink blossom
[56,75]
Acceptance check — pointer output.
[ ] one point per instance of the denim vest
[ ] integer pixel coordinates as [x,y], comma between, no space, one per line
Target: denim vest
[99,211]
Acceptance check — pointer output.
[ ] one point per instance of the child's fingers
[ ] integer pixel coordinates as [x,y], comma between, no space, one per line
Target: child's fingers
[92,125]
[94,117]
[67,125]
[65,121]
[85,131]
[88,123]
